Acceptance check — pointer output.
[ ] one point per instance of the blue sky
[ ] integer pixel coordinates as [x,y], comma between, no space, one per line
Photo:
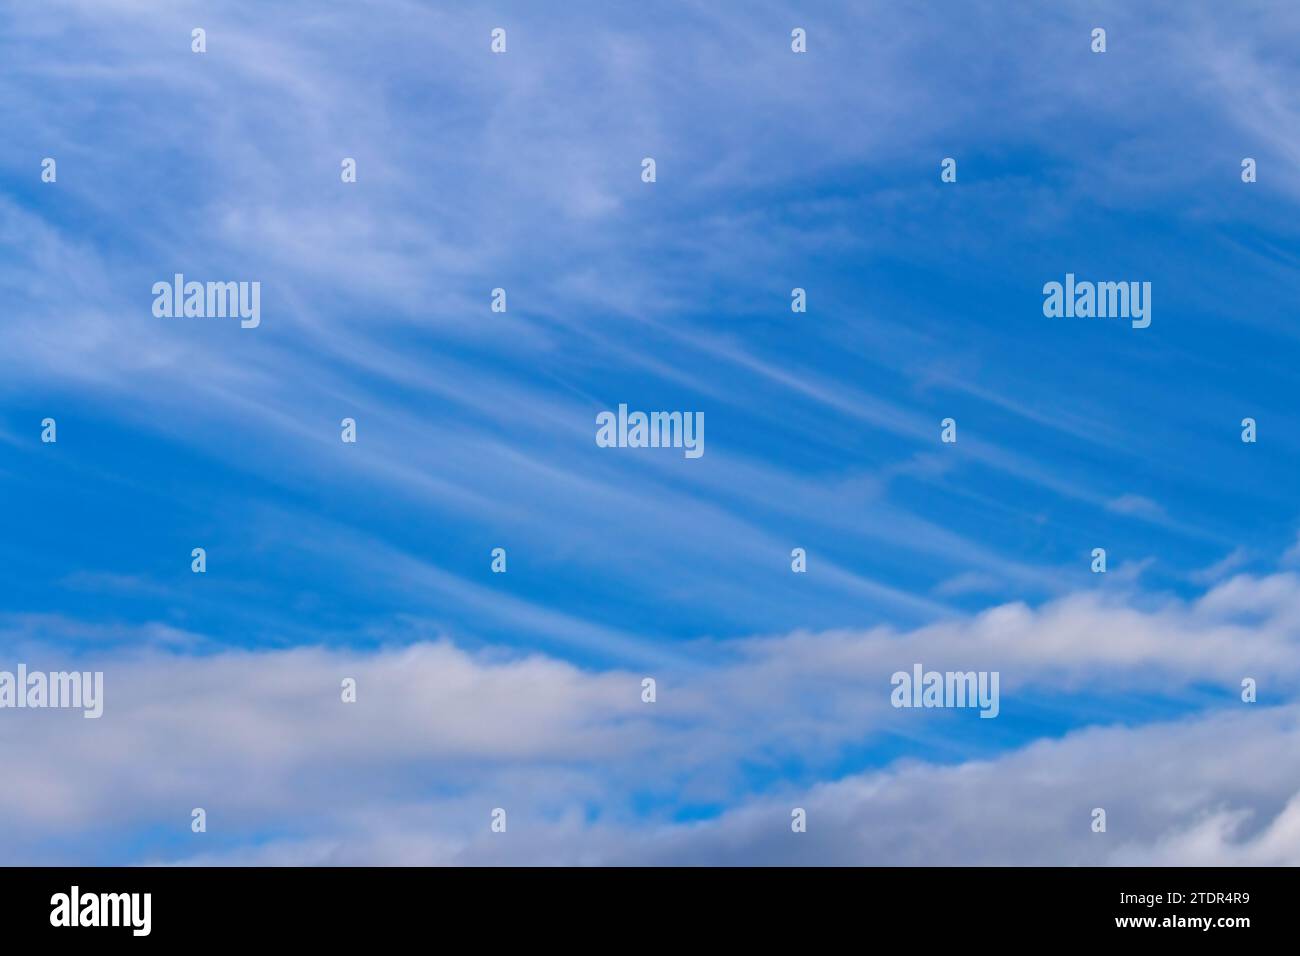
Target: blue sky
[475,430]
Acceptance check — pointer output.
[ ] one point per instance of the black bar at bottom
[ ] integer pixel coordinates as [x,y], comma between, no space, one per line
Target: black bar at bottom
[618,907]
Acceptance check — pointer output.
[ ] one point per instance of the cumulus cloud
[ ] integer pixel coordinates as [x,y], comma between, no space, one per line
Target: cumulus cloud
[1214,791]
[1219,790]
[440,735]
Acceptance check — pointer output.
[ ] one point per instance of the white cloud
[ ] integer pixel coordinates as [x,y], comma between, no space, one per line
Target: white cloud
[1214,791]
[1292,555]
[441,735]
[1136,506]
[1222,568]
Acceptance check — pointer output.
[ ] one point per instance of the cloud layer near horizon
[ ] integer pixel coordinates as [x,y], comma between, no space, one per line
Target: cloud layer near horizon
[440,736]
